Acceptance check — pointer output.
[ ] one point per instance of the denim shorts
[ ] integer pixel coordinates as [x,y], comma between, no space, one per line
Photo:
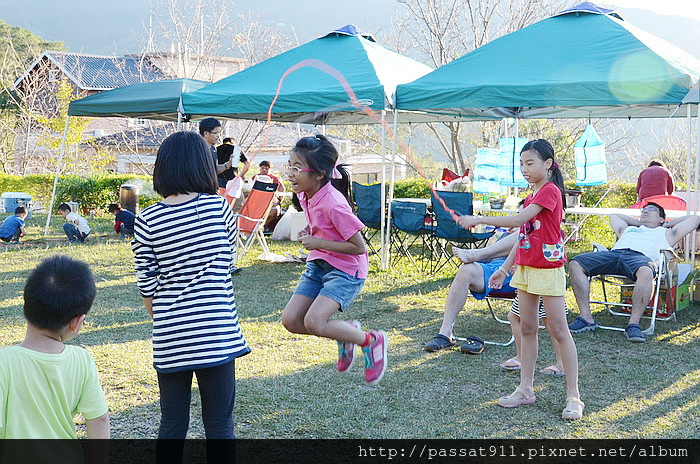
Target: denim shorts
[623,262]
[320,278]
[489,269]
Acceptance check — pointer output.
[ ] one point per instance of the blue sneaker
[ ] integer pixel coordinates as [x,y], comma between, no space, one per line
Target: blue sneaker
[581,325]
[634,333]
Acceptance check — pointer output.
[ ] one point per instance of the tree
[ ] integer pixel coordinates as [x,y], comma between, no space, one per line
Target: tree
[18,48]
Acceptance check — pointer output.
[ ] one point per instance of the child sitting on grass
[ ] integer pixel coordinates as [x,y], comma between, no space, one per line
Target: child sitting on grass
[12,228]
[44,382]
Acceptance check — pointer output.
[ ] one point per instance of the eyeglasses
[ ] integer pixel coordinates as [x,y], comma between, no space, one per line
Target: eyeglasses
[293,170]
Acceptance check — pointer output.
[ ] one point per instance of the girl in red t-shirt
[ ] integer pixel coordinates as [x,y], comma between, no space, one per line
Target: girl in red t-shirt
[539,258]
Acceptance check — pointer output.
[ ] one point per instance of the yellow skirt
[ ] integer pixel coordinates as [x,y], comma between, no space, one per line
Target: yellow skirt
[536,281]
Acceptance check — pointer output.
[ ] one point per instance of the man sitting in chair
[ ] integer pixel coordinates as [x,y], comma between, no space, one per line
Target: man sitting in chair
[635,255]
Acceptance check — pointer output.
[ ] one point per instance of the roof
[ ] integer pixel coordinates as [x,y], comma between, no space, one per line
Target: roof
[95,72]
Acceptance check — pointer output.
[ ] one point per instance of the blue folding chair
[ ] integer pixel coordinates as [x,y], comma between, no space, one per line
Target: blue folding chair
[448,232]
[368,204]
[407,228]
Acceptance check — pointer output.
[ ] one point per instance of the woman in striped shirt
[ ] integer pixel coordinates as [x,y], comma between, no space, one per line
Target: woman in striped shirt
[183,250]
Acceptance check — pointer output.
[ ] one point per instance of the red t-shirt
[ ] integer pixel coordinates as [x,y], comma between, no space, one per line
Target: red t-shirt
[654,180]
[540,243]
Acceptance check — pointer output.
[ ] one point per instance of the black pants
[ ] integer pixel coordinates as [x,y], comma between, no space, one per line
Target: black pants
[217,389]
[12,238]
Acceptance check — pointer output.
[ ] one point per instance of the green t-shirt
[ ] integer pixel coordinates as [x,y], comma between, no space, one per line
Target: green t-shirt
[41,392]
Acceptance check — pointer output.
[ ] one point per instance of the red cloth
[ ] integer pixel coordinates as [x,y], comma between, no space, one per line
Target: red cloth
[654,180]
[117,226]
[540,243]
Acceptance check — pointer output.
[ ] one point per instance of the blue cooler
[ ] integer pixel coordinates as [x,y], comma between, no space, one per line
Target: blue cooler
[11,200]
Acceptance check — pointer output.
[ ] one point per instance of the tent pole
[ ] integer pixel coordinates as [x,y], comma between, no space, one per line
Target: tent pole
[62,150]
[383,194]
[179,121]
[686,239]
[695,185]
[697,168]
[391,183]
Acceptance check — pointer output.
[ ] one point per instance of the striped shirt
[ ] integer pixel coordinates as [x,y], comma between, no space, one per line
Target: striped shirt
[183,254]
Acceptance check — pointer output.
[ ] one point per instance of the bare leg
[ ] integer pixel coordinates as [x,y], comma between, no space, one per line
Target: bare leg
[641,293]
[500,249]
[556,320]
[529,324]
[582,290]
[318,322]
[517,335]
[469,277]
[559,364]
[294,313]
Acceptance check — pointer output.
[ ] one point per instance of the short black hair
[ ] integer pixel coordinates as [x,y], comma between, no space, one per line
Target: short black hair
[21,210]
[64,207]
[227,140]
[59,289]
[265,163]
[662,212]
[208,125]
[183,165]
[114,207]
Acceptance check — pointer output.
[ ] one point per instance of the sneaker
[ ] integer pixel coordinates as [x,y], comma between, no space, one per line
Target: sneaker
[346,352]
[439,342]
[581,325]
[375,357]
[634,333]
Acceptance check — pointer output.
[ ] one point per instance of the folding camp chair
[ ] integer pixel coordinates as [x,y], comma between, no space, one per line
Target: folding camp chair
[250,221]
[407,228]
[662,305]
[368,203]
[448,232]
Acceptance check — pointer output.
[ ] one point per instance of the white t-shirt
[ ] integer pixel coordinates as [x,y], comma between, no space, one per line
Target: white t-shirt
[643,239]
[78,221]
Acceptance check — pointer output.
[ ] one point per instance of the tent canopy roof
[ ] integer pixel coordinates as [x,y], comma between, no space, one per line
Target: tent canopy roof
[310,92]
[580,63]
[150,100]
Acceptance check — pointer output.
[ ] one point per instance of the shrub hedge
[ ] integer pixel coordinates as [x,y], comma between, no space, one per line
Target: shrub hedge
[94,192]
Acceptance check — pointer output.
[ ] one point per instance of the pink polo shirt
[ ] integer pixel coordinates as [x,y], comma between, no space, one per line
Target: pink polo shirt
[330,217]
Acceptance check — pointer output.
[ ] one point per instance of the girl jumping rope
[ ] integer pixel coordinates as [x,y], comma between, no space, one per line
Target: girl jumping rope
[336,267]
[539,256]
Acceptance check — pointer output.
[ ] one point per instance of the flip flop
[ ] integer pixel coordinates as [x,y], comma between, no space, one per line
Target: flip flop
[552,370]
[511,364]
[517,398]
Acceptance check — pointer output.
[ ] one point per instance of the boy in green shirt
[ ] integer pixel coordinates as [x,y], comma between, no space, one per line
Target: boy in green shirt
[43,382]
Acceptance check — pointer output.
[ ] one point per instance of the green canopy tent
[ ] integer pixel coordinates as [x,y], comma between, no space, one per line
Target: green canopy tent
[310,91]
[312,84]
[585,62]
[148,100]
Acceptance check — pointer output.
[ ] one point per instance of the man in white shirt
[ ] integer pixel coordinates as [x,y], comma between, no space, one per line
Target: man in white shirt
[635,255]
[76,226]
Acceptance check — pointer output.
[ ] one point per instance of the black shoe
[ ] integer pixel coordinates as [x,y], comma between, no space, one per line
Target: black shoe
[439,342]
[235,270]
[474,345]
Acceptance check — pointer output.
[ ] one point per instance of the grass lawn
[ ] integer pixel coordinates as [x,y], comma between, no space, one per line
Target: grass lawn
[288,388]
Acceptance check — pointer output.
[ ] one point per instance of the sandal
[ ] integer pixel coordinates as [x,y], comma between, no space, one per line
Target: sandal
[474,345]
[518,398]
[511,364]
[573,409]
[439,342]
[552,370]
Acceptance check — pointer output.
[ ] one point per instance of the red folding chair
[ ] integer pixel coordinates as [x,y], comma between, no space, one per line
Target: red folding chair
[670,202]
[250,221]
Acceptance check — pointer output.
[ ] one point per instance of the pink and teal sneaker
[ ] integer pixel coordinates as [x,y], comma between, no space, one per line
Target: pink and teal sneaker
[346,352]
[375,357]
